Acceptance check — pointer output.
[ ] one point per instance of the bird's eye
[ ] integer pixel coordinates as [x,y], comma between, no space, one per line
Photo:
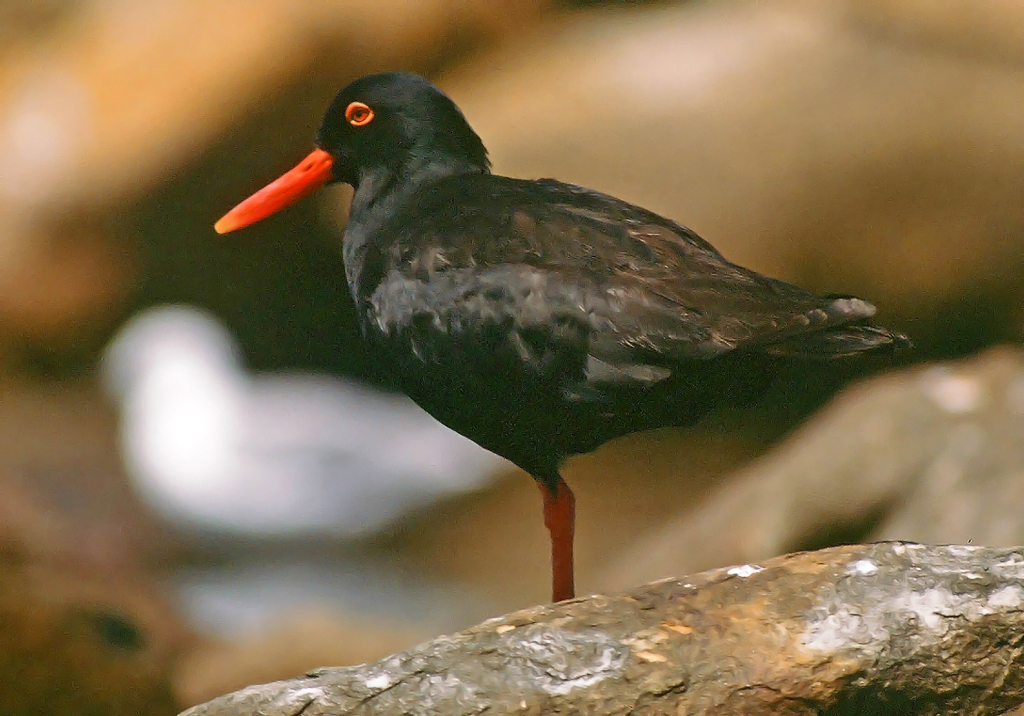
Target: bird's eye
[358,114]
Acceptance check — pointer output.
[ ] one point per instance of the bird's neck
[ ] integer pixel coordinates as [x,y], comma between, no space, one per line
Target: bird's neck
[383,191]
[378,189]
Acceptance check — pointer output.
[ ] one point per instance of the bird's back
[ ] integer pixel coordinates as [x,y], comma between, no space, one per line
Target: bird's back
[483,248]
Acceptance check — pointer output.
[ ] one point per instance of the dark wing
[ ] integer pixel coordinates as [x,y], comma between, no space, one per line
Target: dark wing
[679,295]
[541,253]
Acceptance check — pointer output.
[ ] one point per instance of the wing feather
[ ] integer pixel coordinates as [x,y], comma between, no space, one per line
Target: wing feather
[538,252]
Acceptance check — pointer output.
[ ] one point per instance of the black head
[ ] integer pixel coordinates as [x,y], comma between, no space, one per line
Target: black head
[390,127]
[397,120]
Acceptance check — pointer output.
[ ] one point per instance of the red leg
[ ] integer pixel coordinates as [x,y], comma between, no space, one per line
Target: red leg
[560,519]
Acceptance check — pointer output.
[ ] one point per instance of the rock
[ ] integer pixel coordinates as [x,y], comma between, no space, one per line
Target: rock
[64,496]
[83,629]
[989,30]
[834,144]
[932,454]
[21,19]
[76,641]
[137,106]
[890,629]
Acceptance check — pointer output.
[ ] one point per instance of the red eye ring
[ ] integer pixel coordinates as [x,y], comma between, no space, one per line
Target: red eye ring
[358,114]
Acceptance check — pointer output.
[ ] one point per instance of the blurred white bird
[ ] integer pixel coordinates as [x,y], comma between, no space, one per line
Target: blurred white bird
[271,454]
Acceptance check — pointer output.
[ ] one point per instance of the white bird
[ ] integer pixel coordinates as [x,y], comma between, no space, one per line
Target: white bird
[206,443]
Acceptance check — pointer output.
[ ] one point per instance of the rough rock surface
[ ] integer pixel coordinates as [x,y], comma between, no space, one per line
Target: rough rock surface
[889,628]
[931,454]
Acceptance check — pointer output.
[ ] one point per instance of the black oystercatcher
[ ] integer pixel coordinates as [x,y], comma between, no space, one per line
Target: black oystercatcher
[538,318]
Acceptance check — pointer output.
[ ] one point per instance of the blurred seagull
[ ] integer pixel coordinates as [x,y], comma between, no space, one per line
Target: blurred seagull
[275,454]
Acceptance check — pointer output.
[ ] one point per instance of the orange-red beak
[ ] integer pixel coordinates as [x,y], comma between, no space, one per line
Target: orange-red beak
[312,173]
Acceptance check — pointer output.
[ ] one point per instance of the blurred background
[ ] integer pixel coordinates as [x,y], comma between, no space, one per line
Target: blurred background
[205,483]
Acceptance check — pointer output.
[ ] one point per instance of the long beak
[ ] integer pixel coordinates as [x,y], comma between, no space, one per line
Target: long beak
[311,173]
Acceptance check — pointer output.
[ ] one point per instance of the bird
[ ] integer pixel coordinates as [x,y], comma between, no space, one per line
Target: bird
[539,318]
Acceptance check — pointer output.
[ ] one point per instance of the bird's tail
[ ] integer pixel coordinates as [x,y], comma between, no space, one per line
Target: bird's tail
[841,342]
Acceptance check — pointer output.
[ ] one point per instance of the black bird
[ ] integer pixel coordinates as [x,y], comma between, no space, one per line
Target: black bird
[538,318]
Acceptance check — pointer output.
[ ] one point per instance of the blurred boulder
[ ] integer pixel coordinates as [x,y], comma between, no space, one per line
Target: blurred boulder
[77,642]
[870,148]
[990,30]
[83,629]
[64,496]
[934,454]
[25,20]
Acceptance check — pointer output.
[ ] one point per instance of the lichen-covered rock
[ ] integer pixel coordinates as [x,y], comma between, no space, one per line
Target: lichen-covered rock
[886,629]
